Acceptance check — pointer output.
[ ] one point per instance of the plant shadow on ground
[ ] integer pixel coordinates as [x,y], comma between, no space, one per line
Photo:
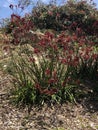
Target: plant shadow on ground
[88,96]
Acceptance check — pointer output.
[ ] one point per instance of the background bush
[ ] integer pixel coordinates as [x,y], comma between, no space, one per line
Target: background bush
[71,15]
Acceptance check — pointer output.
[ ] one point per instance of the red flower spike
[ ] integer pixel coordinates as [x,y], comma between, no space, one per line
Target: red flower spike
[86,57]
[49,35]
[6,48]
[37,86]
[76,58]
[31,59]
[36,50]
[50,13]
[95,56]
[50,92]
[63,61]
[68,39]
[64,83]
[54,74]
[42,43]
[47,72]
[57,15]
[14,18]
[11,6]
[52,80]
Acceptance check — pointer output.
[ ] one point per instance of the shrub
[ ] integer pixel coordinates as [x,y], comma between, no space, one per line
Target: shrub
[53,69]
[69,16]
[77,17]
[20,29]
[49,66]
